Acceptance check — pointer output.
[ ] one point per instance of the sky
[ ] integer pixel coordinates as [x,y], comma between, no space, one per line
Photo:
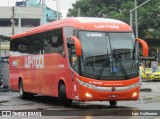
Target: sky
[64,4]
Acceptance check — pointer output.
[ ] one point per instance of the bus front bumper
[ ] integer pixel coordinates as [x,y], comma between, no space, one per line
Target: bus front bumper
[94,93]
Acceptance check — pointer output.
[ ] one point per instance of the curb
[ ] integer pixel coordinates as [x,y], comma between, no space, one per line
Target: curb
[4,90]
[151,80]
[3,101]
[145,90]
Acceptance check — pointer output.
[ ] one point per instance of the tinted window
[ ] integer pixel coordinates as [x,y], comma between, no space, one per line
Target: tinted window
[19,46]
[53,41]
[35,44]
[46,42]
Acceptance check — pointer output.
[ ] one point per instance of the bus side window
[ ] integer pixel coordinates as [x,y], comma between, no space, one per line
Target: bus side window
[34,44]
[30,45]
[39,42]
[19,46]
[16,45]
[56,41]
[46,45]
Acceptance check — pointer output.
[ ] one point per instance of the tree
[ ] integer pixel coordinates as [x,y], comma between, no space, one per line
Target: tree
[148,15]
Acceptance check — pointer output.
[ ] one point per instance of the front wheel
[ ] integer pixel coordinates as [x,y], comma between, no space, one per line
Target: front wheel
[113,103]
[63,97]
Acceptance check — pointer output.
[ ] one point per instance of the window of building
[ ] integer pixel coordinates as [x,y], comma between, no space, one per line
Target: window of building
[7,22]
[30,22]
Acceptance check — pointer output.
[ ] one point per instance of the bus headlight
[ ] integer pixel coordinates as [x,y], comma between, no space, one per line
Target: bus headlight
[134,94]
[88,95]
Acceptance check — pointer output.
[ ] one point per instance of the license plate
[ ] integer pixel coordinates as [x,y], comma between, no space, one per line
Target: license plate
[113,96]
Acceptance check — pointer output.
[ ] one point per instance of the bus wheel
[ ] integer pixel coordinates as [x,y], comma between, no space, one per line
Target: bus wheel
[22,93]
[113,103]
[63,97]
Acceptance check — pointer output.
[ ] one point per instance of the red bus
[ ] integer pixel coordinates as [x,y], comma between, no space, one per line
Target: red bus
[82,59]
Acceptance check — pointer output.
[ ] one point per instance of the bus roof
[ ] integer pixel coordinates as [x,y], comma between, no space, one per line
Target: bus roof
[83,23]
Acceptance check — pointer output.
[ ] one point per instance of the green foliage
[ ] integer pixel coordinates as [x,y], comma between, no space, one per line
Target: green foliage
[148,15]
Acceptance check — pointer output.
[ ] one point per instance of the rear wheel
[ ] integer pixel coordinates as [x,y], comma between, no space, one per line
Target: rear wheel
[113,103]
[63,97]
[22,93]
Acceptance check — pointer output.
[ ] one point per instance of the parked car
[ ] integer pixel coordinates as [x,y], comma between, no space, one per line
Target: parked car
[147,73]
[156,74]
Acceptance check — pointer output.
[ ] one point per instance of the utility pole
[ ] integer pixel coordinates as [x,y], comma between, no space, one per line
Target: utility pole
[131,15]
[79,12]
[57,16]
[13,20]
[0,49]
[136,21]
[8,3]
[57,10]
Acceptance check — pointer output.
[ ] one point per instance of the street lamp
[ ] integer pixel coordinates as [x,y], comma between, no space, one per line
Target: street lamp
[57,8]
[8,3]
[131,15]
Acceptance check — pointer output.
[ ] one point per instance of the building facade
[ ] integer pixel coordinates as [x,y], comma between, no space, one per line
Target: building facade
[24,19]
[24,16]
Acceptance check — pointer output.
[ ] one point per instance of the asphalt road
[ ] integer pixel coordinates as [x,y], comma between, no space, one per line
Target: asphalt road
[147,105]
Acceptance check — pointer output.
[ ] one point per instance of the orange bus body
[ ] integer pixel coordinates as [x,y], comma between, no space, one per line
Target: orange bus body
[42,73]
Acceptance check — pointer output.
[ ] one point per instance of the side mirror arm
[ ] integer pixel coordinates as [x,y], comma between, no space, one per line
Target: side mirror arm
[77,45]
[144,46]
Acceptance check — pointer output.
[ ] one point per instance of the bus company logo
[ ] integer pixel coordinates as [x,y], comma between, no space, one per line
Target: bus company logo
[34,61]
[107,26]
[15,63]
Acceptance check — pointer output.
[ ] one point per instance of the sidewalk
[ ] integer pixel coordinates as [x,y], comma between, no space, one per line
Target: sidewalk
[150,86]
[4,88]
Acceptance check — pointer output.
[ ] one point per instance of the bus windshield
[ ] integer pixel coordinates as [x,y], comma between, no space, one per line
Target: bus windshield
[108,55]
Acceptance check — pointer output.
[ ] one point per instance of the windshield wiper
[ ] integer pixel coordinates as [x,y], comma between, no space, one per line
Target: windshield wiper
[103,66]
[123,70]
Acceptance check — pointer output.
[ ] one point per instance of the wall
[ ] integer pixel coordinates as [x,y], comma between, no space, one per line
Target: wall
[20,14]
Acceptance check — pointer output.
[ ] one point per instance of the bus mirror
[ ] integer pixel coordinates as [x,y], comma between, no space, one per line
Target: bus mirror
[144,46]
[77,45]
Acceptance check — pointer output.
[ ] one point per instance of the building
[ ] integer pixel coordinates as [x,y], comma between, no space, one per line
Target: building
[24,16]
